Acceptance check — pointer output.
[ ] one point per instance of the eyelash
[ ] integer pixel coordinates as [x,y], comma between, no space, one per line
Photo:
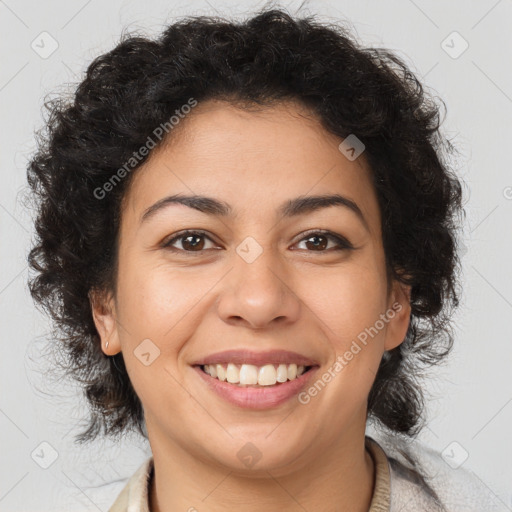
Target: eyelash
[342,243]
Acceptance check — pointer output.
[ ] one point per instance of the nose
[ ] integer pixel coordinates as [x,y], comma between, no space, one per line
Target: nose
[258,294]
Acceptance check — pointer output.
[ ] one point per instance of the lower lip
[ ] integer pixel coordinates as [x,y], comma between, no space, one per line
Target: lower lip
[257,398]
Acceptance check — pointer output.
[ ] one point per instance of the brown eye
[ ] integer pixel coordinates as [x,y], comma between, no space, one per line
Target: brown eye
[317,241]
[191,241]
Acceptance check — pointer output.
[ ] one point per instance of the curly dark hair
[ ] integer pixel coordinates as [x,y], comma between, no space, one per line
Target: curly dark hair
[268,58]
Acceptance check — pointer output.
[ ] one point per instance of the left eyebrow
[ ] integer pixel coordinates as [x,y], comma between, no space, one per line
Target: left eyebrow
[290,208]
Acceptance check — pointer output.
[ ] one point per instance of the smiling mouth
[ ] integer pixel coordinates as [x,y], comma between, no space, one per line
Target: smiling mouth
[248,375]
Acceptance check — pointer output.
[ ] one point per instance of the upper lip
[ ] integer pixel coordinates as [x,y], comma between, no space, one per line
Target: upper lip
[245,356]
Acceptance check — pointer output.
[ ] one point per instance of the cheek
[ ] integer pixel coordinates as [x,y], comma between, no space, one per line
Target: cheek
[159,310]
[156,308]
[153,300]
[349,306]
[348,301]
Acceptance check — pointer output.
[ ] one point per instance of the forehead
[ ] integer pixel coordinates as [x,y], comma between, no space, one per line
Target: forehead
[251,159]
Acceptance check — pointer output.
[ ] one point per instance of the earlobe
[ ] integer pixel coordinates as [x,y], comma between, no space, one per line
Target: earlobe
[398,324]
[104,316]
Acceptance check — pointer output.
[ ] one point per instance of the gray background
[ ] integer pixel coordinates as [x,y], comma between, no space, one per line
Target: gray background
[470,396]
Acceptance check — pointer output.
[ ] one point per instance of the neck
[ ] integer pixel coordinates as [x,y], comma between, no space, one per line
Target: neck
[341,478]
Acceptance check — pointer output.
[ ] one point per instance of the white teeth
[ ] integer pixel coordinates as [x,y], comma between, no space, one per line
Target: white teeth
[282,373]
[267,375]
[232,374]
[292,371]
[250,375]
[221,372]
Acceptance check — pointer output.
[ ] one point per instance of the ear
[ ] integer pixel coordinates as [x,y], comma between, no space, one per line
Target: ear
[105,320]
[399,313]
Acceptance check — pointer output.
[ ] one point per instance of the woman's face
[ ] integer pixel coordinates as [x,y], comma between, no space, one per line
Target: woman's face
[261,278]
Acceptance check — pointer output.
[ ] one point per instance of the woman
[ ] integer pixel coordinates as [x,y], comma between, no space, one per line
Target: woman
[246,238]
